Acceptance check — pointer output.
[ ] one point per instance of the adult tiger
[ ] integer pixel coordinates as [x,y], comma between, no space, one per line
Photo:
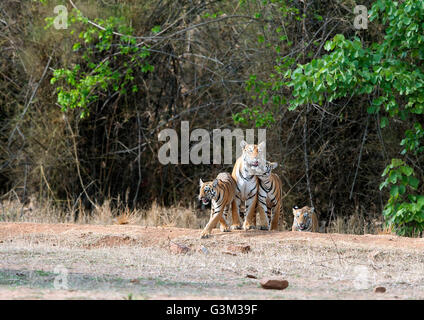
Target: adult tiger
[305,219]
[221,192]
[269,196]
[247,183]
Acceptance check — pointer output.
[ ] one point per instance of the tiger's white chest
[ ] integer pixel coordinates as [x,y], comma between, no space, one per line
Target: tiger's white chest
[245,187]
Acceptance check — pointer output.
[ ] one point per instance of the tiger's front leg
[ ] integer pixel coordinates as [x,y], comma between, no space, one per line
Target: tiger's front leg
[263,219]
[262,208]
[214,219]
[251,210]
[276,211]
[235,214]
[223,222]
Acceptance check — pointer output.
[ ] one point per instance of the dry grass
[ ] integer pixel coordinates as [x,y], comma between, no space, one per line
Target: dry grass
[33,211]
[127,217]
[156,215]
[387,230]
[355,224]
[106,214]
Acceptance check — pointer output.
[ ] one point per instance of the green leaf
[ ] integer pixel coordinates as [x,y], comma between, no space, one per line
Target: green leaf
[406,170]
[384,122]
[76,46]
[156,29]
[394,191]
[261,39]
[413,182]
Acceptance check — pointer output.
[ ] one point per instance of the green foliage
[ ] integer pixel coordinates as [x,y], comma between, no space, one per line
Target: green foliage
[390,72]
[111,57]
[404,209]
[256,115]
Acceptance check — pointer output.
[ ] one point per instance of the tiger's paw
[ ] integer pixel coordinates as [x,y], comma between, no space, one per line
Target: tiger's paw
[235,227]
[224,229]
[263,228]
[204,235]
[248,227]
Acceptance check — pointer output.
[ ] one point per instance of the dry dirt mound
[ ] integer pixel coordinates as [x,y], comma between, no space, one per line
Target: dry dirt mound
[92,236]
[95,236]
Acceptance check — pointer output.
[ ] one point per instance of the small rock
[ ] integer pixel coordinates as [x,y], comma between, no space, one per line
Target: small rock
[229,253]
[380,290]
[203,249]
[178,248]
[274,283]
[276,271]
[242,249]
[135,281]
[251,276]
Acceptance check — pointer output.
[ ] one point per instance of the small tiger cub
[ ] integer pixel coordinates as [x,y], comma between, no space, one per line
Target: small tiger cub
[221,192]
[305,219]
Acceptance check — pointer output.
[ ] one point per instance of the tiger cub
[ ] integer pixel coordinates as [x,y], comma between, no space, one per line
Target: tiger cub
[247,183]
[305,219]
[269,195]
[221,192]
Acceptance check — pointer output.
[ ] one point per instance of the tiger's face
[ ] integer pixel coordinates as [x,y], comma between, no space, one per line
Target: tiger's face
[253,155]
[303,217]
[208,191]
[266,169]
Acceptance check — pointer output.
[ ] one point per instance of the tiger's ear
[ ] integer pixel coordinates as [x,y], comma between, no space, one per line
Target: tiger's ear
[273,165]
[243,144]
[215,183]
[200,182]
[262,146]
[312,209]
[295,208]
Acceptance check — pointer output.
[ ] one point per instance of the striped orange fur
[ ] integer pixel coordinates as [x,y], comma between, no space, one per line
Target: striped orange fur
[221,193]
[305,219]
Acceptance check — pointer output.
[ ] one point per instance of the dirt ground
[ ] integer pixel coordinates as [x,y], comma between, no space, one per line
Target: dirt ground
[72,261]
